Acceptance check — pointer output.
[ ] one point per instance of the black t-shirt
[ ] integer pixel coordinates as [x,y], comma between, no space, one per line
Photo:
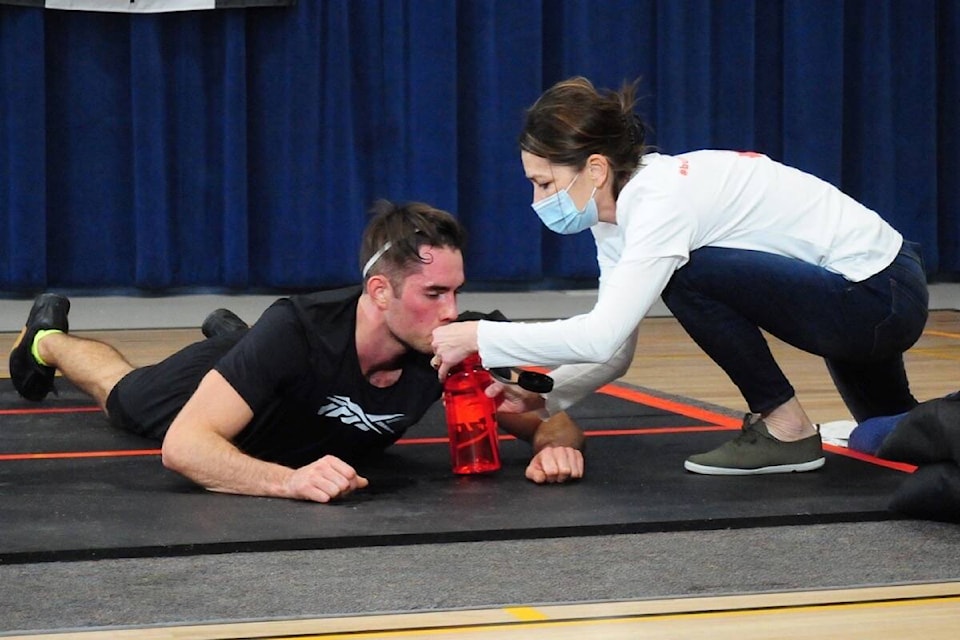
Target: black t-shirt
[297,369]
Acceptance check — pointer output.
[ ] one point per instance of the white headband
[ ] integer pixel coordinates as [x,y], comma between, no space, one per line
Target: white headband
[373,259]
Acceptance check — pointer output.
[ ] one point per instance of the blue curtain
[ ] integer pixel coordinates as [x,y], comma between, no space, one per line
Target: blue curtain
[240,149]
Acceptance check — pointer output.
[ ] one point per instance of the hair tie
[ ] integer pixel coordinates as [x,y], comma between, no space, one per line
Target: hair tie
[373,259]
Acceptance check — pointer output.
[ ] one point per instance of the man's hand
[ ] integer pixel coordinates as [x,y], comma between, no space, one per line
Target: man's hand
[557,442]
[555,464]
[324,480]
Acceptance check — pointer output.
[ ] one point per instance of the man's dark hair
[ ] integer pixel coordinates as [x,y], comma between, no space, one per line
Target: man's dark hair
[395,233]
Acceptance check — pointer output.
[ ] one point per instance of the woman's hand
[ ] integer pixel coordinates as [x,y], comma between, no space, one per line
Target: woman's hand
[451,344]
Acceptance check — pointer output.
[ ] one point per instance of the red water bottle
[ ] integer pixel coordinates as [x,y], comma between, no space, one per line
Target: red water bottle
[471,419]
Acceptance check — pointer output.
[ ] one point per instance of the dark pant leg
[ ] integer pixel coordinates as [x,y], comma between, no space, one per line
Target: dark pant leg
[146,400]
[730,337]
[724,297]
[871,389]
[878,385]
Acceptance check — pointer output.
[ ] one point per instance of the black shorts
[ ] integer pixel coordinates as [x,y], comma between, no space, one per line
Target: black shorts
[146,400]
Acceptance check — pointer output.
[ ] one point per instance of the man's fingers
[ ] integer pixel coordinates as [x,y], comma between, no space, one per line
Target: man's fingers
[550,464]
[536,474]
[496,390]
[339,466]
[555,464]
[327,479]
[575,457]
[327,488]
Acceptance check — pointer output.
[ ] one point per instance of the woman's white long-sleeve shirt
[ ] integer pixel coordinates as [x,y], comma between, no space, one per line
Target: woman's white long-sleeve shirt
[672,206]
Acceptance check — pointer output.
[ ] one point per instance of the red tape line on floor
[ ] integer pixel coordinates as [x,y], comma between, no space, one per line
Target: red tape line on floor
[79,454]
[47,410]
[718,423]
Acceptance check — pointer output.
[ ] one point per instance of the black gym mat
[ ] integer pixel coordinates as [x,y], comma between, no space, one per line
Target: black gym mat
[71,487]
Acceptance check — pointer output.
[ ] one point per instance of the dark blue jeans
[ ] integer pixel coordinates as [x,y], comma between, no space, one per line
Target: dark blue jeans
[724,297]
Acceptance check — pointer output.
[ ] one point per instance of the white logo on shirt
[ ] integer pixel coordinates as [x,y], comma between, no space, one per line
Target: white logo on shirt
[351,414]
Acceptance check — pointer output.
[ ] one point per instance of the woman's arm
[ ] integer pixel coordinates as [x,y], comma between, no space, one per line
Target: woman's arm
[594,337]
[574,382]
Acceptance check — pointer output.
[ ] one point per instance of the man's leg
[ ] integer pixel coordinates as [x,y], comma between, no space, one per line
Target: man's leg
[33,380]
[95,367]
[221,322]
[44,346]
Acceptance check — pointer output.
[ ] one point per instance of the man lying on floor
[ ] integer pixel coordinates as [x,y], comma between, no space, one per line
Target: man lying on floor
[319,380]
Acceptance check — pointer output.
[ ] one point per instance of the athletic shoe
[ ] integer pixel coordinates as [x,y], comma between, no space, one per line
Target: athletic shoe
[31,379]
[221,322]
[755,451]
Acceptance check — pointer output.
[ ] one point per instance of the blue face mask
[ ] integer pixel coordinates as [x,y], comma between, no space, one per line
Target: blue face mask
[560,215]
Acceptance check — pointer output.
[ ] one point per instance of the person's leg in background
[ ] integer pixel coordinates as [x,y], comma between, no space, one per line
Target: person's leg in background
[724,297]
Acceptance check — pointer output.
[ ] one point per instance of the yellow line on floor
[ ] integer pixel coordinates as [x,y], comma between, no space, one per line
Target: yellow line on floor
[526,614]
[478,630]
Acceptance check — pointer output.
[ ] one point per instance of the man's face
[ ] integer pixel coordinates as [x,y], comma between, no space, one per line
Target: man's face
[427,299]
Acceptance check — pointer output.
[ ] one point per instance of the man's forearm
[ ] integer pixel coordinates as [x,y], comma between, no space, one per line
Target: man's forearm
[218,465]
[558,431]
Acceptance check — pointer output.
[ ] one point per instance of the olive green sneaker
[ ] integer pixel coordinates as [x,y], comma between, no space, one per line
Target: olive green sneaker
[754,451]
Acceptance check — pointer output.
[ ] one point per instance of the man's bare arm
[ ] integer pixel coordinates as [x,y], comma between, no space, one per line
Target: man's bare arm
[199,446]
[557,443]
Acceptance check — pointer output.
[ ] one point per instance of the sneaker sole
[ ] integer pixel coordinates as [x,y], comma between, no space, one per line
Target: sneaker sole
[813,465]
